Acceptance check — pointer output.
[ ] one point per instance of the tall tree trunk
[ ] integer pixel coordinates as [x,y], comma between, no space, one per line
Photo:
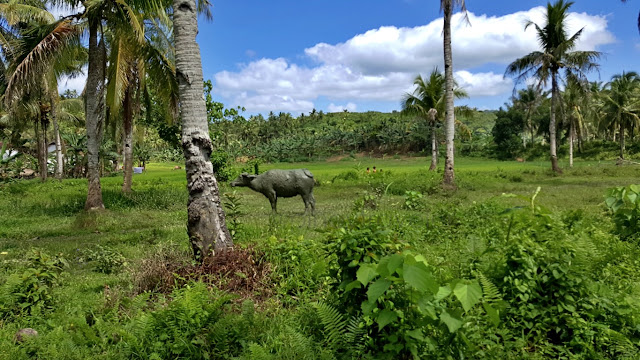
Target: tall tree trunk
[530,123]
[95,115]
[128,141]
[571,132]
[56,129]
[449,176]
[621,140]
[42,166]
[206,225]
[580,138]
[552,124]
[434,141]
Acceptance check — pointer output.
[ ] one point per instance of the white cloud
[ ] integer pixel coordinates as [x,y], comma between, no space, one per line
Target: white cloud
[77,83]
[482,84]
[340,108]
[380,64]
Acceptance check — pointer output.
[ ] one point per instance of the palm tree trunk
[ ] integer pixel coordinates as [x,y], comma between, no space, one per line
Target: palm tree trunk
[39,152]
[56,129]
[552,124]
[434,150]
[571,132]
[95,115]
[206,224]
[621,141]
[434,141]
[449,176]
[128,141]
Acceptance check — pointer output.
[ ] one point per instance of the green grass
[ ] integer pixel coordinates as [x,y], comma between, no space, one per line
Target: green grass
[50,216]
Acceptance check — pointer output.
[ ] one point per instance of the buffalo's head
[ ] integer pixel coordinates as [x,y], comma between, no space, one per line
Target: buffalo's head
[243,179]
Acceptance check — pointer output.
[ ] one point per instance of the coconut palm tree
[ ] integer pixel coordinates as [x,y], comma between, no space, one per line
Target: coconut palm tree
[44,50]
[447,7]
[621,104]
[206,225]
[556,54]
[575,99]
[528,101]
[427,101]
[134,52]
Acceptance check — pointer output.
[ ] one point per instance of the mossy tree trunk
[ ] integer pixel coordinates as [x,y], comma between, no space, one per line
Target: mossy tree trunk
[206,225]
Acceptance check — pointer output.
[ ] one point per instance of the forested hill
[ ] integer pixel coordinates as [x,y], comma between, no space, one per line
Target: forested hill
[284,137]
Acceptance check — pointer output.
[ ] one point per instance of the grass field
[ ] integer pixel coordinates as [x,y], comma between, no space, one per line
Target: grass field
[49,216]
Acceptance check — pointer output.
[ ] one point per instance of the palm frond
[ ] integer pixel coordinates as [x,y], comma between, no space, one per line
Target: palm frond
[38,60]
[14,12]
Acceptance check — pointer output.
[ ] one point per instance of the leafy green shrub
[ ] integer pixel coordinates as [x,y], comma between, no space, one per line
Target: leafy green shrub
[233,209]
[169,155]
[347,176]
[105,260]
[412,200]
[367,201]
[546,281]
[394,306]
[624,203]
[221,162]
[298,270]
[180,329]
[31,291]
[354,241]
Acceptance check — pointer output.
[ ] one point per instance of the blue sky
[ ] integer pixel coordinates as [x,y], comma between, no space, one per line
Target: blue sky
[362,55]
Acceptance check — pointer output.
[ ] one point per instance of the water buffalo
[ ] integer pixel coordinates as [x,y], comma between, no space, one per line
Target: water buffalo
[281,183]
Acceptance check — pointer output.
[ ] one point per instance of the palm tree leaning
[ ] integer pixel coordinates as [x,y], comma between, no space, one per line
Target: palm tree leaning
[447,7]
[556,54]
[206,224]
[427,101]
[621,101]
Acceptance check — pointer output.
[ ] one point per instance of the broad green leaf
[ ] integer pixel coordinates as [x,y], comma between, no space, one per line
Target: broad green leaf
[452,319]
[635,188]
[443,292]
[419,277]
[353,285]
[368,306]
[416,334]
[377,289]
[427,308]
[366,273]
[492,313]
[385,317]
[468,294]
[395,261]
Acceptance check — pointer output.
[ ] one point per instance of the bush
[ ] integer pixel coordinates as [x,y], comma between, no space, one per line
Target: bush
[624,205]
[31,291]
[104,259]
[180,329]
[169,155]
[221,163]
[412,200]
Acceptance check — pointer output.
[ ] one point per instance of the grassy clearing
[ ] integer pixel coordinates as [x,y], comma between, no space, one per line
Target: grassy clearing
[451,230]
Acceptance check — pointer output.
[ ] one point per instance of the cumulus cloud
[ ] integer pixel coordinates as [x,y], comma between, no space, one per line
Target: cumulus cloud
[380,64]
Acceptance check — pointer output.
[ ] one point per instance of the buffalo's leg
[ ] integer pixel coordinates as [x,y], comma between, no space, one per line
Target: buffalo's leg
[309,201]
[273,199]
